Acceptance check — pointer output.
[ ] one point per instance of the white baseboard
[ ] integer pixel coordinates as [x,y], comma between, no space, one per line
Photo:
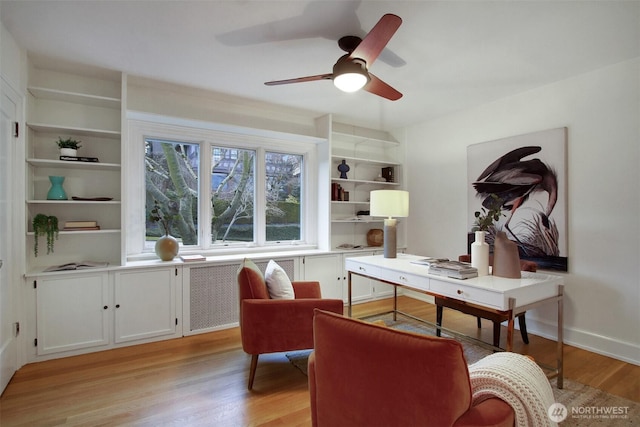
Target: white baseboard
[599,344]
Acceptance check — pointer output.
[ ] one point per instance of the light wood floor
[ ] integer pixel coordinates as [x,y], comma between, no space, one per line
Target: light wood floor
[202,380]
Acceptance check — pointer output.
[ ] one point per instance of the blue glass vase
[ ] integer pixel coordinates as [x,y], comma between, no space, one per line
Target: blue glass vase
[56,192]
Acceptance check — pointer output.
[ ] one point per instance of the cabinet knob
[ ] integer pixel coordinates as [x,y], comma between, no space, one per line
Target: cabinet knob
[105,307]
[460,292]
[117,305]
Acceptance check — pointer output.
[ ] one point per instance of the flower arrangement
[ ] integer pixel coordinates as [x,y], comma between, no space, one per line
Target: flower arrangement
[45,225]
[486,217]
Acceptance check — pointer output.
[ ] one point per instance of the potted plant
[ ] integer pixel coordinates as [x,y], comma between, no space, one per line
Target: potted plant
[166,246]
[485,218]
[68,147]
[45,225]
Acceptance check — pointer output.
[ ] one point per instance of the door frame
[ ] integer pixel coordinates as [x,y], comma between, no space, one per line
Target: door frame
[12,166]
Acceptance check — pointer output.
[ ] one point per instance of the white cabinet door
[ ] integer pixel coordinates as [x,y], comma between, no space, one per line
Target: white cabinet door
[145,303]
[328,270]
[73,312]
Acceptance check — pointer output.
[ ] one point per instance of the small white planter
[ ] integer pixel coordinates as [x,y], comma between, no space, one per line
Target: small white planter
[69,152]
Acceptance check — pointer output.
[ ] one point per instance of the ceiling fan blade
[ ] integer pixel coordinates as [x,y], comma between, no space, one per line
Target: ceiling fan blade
[380,88]
[374,42]
[300,80]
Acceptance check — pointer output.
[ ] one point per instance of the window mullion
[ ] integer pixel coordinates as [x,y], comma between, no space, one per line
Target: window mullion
[260,202]
[204,226]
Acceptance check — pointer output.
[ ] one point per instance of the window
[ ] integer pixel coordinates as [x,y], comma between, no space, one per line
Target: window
[283,185]
[232,195]
[171,178]
[218,191]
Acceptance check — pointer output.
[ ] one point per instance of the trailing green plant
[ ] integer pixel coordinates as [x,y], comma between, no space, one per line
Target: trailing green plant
[68,143]
[485,217]
[45,225]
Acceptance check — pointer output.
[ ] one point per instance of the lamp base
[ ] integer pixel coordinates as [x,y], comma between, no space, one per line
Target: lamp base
[390,246]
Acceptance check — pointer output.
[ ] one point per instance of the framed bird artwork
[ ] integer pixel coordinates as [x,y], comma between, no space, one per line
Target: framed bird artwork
[526,174]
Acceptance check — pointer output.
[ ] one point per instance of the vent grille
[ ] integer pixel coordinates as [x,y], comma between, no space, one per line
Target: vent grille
[214,294]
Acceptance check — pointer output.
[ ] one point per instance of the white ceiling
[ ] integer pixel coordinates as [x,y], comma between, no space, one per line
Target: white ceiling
[446,56]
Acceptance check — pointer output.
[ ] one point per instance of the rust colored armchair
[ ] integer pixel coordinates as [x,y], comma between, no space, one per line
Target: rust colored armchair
[361,374]
[274,325]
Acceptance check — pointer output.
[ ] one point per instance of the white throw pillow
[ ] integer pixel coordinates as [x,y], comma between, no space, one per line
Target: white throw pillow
[278,282]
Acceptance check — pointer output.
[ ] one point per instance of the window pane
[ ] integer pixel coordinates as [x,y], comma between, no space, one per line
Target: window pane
[171,177]
[284,180]
[232,195]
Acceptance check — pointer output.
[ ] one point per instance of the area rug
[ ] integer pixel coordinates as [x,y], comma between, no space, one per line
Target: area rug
[578,404]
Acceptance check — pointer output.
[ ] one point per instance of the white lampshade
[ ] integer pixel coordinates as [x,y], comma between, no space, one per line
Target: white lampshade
[389,203]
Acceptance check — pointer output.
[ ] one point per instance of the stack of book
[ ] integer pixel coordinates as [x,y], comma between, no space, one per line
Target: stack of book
[79,159]
[81,226]
[453,269]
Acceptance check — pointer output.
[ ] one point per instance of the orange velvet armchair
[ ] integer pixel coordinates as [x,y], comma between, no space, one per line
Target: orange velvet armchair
[361,374]
[275,325]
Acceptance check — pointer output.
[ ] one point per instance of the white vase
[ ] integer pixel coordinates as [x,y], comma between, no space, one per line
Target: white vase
[68,152]
[480,254]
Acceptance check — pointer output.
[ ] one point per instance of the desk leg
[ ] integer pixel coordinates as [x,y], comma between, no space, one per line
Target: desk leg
[395,303]
[560,343]
[510,324]
[349,292]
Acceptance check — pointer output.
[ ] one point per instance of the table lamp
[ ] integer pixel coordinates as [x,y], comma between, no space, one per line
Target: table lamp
[390,204]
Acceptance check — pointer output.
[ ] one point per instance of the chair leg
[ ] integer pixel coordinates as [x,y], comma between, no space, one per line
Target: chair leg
[479,320]
[438,319]
[252,369]
[523,328]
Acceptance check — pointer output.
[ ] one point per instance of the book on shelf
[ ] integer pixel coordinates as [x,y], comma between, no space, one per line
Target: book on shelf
[453,269]
[192,258]
[387,173]
[79,159]
[82,265]
[97,227]
[75,224]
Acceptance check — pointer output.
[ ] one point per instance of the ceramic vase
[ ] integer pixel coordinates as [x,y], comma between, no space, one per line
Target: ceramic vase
[56,192]
[506,260]
[72,152]
[480,254]
[167,247]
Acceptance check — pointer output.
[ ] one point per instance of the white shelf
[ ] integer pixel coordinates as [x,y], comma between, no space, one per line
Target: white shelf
[73,164]
[349,202]
[338,158]
[102,133]
[75,97]
[363,181]
[104,231]
[358,221]
[73,202]
[357,139]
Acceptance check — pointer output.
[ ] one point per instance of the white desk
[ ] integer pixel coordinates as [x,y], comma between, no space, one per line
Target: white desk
[508,297]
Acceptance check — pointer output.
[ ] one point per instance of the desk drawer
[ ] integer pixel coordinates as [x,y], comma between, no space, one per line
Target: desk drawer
[402,278]
[468,294]
[360,268]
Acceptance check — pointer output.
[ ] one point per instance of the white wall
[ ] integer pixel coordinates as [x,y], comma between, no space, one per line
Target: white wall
[601,110]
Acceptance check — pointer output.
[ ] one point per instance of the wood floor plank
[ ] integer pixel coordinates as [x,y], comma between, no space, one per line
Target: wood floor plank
[202,380]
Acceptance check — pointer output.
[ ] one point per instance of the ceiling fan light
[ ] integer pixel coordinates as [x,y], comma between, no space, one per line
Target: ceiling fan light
[350,75]
[350,82]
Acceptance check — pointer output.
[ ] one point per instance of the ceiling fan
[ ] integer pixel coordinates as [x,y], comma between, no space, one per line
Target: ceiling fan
[351,72]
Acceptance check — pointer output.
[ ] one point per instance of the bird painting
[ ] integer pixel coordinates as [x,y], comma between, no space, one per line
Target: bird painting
[513,179]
